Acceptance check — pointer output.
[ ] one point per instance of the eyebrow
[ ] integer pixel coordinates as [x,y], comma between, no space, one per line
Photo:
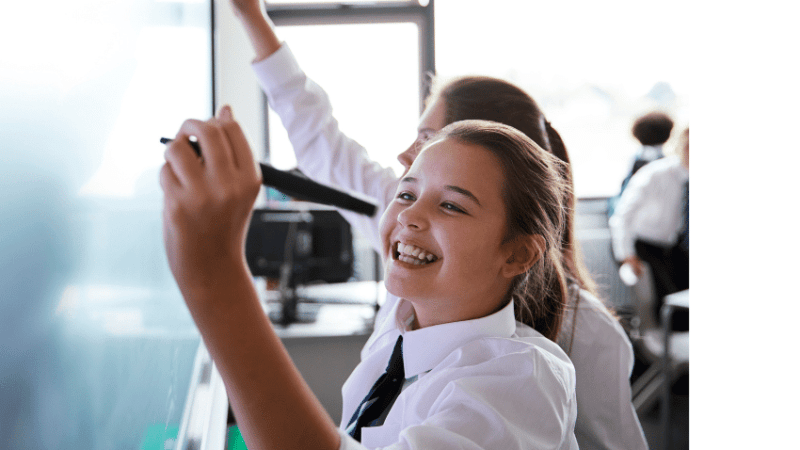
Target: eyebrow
[449,187]
[463,192]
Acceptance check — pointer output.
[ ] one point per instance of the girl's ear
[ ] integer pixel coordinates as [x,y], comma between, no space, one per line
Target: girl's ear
[524,251]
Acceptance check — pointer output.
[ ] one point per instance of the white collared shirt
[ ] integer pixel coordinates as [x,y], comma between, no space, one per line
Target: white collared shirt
[649,153]
[603,357]
[650,208]
[487,383]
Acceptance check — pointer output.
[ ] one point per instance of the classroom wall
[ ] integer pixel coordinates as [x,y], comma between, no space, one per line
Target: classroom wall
[235,83]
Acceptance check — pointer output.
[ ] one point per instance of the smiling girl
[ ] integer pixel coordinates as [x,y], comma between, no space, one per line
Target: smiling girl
[471,247]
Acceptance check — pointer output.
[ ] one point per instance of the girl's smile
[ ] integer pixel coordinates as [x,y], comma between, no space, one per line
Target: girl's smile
[413,255]
[443,234]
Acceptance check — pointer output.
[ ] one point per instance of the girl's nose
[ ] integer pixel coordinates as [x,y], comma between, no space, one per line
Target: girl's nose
[407,157]
[414,216]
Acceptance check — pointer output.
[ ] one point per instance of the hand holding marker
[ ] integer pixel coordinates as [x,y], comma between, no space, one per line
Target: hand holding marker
[304,189]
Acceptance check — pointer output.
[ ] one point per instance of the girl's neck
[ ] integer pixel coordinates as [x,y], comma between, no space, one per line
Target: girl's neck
[426,315]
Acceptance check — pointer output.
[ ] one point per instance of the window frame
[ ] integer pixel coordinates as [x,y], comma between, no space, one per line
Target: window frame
[354,13]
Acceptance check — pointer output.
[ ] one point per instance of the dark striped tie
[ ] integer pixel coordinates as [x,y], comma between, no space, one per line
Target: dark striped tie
[382,395]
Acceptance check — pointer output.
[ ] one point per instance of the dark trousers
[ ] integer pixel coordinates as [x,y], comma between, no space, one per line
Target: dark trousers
[670,267]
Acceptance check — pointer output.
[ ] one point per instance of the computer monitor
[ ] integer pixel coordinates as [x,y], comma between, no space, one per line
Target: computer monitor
[318,242]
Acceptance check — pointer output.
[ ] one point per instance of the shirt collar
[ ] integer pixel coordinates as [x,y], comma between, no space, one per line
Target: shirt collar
[423,349]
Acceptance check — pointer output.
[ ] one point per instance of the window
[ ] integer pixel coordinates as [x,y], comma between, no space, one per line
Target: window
[356,64]
[593,67]
[371,60]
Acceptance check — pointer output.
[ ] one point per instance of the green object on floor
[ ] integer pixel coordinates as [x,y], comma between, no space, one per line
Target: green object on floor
[161,437]
[157,437]
[235,440]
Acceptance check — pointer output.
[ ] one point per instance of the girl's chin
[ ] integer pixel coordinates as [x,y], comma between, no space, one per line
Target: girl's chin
[402,288]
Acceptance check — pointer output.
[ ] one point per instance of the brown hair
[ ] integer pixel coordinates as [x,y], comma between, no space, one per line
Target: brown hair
[533,194]
[652,128]
[487,98]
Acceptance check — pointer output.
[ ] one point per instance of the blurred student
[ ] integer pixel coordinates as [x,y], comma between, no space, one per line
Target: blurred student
[651,224]
[591,335]
[470,244]
[652,130]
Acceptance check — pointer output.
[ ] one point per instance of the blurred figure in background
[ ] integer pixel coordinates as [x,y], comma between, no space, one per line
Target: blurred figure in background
[652,130]
[651,224]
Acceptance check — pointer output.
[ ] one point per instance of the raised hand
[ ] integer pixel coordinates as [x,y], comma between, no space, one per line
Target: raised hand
[260,30]
[207,200]
[246,8]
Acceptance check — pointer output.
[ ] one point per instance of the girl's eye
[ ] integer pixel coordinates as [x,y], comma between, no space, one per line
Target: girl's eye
[406,196]
[452,207]
[423,137]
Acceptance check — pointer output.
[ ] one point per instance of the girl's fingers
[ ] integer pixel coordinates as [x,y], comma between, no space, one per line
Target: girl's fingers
[225,113]
[224,119]
[242,154]
[169,181]
[184,165]
[214,145]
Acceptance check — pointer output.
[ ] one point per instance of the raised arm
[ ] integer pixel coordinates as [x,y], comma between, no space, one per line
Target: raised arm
[323,151]
[258,26]
[207,205]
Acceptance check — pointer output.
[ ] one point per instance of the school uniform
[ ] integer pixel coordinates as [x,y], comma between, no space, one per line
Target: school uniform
[651,208]
[645,155]
[487,383]
[325,154]
[603,357]
[651,222]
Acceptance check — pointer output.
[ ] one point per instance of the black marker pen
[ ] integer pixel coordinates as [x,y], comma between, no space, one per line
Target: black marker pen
[301,188]
[194,144]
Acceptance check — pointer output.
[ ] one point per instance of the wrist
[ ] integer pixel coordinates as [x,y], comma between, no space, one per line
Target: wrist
[205,283]
[248,13]
[262,36]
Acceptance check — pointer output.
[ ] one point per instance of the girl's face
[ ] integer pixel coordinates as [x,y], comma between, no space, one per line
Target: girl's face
[432,120]
[442,235]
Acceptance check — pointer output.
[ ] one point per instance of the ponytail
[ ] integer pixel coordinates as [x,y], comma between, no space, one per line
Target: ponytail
[573,259]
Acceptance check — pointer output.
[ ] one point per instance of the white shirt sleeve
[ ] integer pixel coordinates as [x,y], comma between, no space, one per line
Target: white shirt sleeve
[650,208]
[621,224]
[603,358]
[323,151]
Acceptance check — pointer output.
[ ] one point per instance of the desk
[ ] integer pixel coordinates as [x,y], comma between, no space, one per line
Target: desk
[326,310]
[673,302]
